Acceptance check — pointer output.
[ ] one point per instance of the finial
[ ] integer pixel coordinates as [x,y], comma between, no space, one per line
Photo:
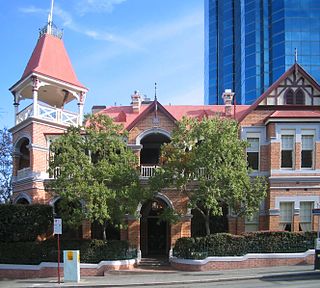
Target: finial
[295,55]
[50,16]
[155,91]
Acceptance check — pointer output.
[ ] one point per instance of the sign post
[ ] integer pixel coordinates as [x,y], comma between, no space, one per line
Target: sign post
[57,229]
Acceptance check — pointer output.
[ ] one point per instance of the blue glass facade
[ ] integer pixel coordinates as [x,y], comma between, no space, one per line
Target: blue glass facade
[250,43]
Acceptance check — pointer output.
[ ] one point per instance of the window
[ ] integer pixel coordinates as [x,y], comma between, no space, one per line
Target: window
[297,97]
[286,214]
[306,216]
[307,151]
[287,149]
[289,97]
[252,223]
[253,153]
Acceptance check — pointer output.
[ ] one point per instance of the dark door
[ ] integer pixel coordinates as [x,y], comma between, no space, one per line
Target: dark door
[157,236]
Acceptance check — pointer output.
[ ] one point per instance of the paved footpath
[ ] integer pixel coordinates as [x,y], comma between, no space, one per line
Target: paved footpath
[166,277]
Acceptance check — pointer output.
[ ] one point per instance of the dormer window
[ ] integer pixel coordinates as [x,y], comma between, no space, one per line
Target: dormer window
[294,98]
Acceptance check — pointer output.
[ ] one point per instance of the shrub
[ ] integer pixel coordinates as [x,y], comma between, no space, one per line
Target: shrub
[24,222]
[91,251]
[224,244]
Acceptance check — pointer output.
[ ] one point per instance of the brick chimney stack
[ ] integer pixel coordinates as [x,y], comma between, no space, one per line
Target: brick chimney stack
[136,101]
[227,97]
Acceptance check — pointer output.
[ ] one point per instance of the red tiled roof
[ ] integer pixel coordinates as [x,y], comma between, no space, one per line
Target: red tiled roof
[295,114]
[50,58]
[128,118]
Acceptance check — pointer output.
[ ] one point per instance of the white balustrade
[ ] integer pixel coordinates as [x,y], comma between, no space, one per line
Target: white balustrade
[24,114]
[147,171]
[24,173]
[48,113]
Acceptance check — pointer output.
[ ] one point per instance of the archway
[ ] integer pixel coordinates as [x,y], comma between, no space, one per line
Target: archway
[22,201]
[150,153]
[154,232]
[23,153]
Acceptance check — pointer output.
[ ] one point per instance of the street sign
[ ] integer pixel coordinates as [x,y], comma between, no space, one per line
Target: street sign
[316,211]
[57,226]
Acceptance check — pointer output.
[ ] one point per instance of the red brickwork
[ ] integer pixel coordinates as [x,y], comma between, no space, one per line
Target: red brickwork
[248,263]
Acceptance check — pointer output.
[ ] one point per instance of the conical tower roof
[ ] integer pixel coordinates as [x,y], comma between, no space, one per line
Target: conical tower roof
[50,58]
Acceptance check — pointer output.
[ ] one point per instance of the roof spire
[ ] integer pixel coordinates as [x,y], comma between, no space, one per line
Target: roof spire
[50,16]
[295,55]
[155,91]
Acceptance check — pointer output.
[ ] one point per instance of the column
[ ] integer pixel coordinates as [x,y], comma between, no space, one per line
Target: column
[35,87]
[80,108]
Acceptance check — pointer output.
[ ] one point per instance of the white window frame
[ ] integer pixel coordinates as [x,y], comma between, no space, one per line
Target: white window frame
[283,223]
[302,221]
[255,136]
[309,132]
[287,132]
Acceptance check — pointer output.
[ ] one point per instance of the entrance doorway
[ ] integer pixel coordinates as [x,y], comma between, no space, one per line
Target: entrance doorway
[154,232]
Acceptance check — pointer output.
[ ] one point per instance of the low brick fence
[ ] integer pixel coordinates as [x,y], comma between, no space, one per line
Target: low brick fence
[49,269]
[246,261]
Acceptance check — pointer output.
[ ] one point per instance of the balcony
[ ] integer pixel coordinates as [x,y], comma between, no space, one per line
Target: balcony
[48,113]
[147,171]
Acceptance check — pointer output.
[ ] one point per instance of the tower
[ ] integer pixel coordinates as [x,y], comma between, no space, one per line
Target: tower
[49,83]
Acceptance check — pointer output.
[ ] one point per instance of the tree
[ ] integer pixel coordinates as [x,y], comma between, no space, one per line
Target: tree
[97,169]
[5,165]
[206,161]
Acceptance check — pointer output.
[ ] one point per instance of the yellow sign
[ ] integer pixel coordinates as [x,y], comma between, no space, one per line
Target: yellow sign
[70,255]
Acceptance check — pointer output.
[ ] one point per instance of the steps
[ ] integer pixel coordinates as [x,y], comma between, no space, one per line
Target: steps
[154,264]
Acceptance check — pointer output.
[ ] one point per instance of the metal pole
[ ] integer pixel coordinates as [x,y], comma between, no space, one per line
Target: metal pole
[58,259]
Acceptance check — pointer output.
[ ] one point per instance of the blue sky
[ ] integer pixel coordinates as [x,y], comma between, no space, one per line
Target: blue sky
[115,46]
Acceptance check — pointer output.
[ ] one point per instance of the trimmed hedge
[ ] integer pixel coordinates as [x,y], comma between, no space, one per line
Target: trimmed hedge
[24,222]
[224,244]
[91,251]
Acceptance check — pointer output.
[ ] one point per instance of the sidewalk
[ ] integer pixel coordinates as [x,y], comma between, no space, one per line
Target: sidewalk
[165,277]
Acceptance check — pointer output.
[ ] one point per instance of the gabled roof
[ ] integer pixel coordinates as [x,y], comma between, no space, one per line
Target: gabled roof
[295,67]
[129,118]
[50,58]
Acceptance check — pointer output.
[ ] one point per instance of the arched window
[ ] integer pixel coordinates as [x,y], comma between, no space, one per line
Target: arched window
[24,154]
[289,97]
[294,98]
[299,97]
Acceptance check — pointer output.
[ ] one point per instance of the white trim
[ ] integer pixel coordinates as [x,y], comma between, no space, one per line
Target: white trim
[54,265]
[164,198]
[154,130]
[293,171]
[281,120]
[242,258]
[296,200]
[295,187]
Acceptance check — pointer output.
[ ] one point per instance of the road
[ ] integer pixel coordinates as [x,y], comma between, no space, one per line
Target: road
[305,281]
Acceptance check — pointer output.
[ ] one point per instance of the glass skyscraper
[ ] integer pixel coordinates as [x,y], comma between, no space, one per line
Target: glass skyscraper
[250,43]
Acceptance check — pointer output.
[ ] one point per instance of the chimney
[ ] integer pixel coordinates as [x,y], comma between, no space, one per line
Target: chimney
[227,97]
[136,101]
[97,108]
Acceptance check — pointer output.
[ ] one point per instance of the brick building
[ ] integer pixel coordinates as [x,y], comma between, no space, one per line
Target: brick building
[282,127]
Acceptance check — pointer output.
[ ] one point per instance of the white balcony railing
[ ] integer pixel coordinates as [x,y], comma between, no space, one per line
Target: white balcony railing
[48,113]
[147,171]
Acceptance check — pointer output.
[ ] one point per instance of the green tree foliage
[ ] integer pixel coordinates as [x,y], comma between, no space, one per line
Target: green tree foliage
[95,167]
[5,165]
[206,161]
